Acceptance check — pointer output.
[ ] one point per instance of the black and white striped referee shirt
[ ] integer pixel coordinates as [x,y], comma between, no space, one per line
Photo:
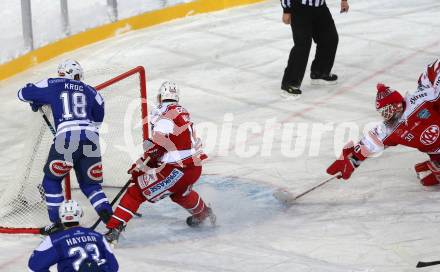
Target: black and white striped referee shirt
[287,4]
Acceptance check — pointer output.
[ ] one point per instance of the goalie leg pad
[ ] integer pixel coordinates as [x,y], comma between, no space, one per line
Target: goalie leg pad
[129,204]
[434,167]
[429,171]
[429,180]
[421,167]
[53,193]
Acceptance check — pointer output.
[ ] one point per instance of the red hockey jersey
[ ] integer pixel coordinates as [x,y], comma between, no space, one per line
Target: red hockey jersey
[418,127]
[173,130]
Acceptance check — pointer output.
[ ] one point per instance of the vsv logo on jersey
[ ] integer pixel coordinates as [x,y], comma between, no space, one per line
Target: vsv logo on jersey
[424,114]
[417,97]
[430,135]
[60,168]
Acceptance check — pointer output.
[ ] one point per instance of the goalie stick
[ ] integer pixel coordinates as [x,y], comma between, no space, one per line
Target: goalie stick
[288,198]
[424,264]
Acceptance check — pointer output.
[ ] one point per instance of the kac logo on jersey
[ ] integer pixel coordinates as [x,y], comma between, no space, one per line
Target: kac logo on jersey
[424,114]
[430,135]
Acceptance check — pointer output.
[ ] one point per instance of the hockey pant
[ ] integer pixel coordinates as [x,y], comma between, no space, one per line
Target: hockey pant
[171,181]
[88,171]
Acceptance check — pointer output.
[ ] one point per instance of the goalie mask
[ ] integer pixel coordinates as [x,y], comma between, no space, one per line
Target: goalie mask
[389,103]
[168,91]
[70,211]
[70,69]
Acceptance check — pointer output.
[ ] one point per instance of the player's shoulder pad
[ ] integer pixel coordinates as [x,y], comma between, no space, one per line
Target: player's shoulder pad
[177,113]
[44,83]
[45,245]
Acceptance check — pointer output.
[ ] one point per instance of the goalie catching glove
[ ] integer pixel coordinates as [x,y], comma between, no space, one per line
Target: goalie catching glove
[351,157]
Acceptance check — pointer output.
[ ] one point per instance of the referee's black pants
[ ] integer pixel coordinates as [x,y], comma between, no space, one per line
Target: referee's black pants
[311,23]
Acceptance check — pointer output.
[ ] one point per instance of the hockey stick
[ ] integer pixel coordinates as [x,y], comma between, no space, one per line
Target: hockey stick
[423,264]
[93,227]
[47,121]
[287,198]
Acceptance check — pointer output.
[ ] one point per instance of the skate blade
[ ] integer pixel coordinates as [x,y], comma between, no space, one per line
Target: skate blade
[321,82]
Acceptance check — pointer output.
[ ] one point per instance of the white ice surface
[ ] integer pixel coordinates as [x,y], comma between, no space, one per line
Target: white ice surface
[232,62]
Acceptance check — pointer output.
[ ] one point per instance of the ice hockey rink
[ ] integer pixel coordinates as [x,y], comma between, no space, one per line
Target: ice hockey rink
[229,66]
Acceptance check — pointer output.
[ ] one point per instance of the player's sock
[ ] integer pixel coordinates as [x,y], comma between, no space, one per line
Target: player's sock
[53,193]
[128,205]
[98,199]
[195,205]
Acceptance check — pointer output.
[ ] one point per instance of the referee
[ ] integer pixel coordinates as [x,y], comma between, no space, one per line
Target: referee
[310,19]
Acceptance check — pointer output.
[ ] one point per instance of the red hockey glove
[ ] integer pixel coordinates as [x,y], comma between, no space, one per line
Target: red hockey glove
[428,172]
[350,159]
[137,169]
[153,152]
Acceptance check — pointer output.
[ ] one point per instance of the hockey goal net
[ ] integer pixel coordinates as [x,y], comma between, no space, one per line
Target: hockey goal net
[125,126]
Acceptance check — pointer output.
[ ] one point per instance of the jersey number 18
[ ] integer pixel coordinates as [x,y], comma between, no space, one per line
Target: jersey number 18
[74,105]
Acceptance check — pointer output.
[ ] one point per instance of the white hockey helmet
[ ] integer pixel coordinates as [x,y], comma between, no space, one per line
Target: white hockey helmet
[168,91]
[70,211]
[70,69]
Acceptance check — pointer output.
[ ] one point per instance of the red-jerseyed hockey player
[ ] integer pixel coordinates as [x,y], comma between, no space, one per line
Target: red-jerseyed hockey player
[413,121]
[170,166]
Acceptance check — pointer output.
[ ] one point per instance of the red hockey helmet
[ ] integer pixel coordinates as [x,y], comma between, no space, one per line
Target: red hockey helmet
[430,78]
[388,101]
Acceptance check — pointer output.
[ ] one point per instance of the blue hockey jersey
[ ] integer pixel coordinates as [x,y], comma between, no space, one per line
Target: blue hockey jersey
[70,249]
[75,105]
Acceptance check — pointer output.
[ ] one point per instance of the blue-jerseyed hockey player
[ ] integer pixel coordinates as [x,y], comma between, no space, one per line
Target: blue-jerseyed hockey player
[78,110]
[74,248]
